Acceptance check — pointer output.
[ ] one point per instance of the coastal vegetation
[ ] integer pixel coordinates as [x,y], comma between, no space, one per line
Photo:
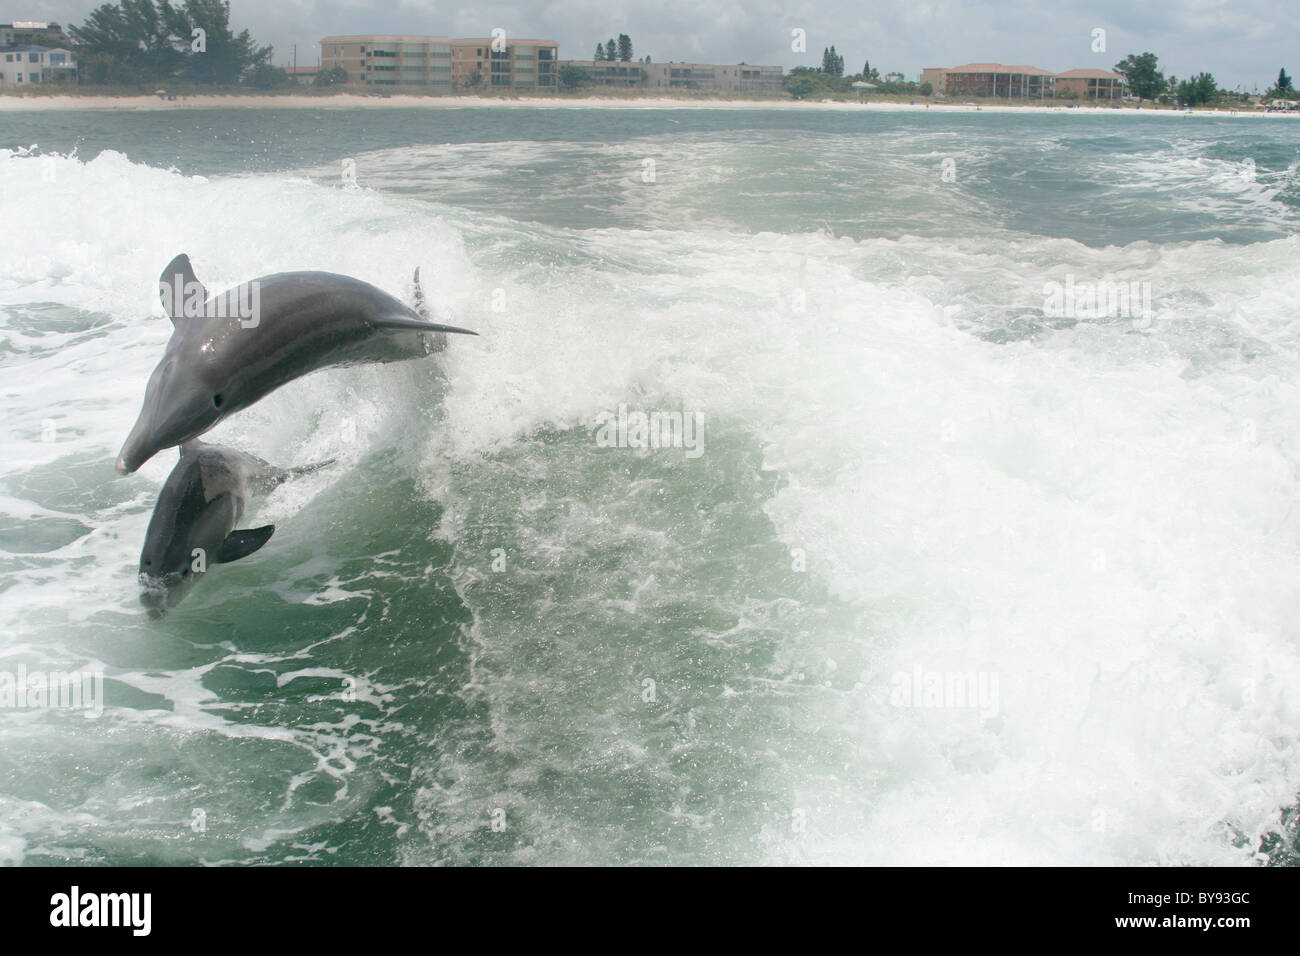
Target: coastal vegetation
[148,42]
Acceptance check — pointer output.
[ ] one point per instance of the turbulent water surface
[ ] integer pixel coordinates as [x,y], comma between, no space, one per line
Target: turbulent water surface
[960,569]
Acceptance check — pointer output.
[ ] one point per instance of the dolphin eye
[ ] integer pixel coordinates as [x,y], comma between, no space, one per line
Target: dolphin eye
[148,562]
[185,572]
[216,401]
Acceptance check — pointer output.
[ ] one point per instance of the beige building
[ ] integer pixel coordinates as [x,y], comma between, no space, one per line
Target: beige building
[442,63]
[1092,84]
[997,79]
[723,78]
[936,76]
[1026,82]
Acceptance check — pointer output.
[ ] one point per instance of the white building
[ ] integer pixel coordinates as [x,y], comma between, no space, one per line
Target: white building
[28,64]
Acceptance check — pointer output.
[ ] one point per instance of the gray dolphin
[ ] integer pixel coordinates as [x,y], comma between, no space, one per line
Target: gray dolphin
[193,523]
[229,350]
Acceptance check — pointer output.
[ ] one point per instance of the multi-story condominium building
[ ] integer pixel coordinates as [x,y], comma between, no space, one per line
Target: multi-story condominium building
[523,64]
[1027,82]
[937,77]
[728,78]
[995,79]
[33,32]
[442,63]
[1092,84]
[28,64]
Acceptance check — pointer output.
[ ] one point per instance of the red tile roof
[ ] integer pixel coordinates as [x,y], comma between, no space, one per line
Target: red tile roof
[1091,75]
[999,68]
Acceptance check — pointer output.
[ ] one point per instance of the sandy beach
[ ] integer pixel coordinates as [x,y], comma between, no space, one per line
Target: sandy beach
[342,101]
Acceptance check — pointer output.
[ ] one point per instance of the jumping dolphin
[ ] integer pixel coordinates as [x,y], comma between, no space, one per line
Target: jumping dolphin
[193,523]
[229,350]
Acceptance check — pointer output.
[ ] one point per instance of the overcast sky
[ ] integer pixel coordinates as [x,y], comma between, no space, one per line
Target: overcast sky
[1239,41]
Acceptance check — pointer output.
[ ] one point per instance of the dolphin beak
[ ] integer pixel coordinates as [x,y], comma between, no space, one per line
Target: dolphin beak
[135,450]
[153,595]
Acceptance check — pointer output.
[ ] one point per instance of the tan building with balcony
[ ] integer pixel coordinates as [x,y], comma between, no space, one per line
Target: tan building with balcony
[1024,82]
[442,63]
[997,79]
[724,78]
[1092,84]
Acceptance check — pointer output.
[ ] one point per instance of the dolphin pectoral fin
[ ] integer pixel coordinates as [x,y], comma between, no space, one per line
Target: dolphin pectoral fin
[418,325]
[240,544]
[178,284]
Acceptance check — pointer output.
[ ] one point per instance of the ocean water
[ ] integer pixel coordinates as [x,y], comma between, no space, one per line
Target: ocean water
[957,569]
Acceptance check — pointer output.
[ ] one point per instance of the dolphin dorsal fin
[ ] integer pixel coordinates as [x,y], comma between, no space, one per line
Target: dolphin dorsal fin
[179,286]
[420,305]
[240,544]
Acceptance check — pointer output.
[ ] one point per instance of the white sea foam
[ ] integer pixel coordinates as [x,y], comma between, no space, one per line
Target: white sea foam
[1104,516]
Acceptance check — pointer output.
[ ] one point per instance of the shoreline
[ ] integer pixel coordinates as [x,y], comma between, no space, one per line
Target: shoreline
[145,102]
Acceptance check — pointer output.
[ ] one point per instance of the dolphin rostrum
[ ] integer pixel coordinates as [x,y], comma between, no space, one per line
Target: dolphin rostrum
[193,523]
[229,350]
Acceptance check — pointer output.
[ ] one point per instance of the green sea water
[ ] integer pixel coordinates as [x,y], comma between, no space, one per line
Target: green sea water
[953,577]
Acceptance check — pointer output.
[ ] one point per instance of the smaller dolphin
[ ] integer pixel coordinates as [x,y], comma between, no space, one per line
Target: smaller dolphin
[193,523]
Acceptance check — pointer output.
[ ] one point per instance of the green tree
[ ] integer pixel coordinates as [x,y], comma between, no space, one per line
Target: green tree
[573,77]
[1283,82]
[600,53]
[832,62]
[611,51]
[1144,78]
[99,69]
[135,34]
[624,47]
[265,76]
[334,76]
[153,40]
[1200,90]
[925,89]
[801,87]
[226,58]
[870,73]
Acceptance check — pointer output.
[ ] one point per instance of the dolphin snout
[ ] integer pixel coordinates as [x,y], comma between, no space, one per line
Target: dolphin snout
[154,593]
[121,465]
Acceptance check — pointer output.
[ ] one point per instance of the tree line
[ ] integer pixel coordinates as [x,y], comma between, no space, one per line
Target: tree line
[611,51]
[138,42]
[1146,81]
[805,81]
